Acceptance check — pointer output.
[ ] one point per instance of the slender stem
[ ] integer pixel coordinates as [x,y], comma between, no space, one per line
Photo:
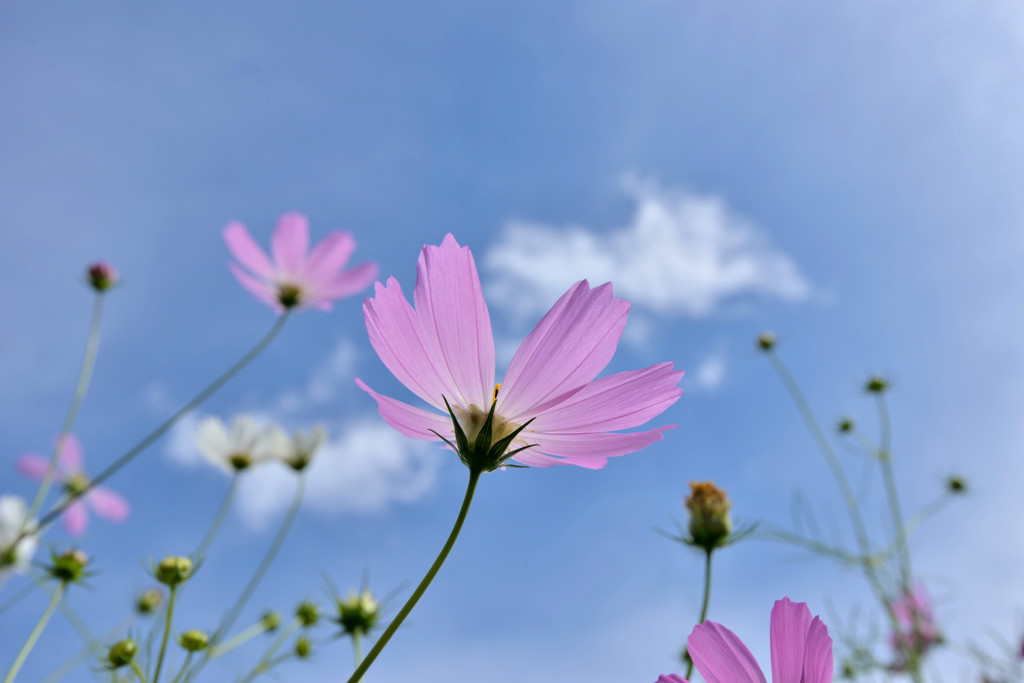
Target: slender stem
[238,639]
[84,376]
[704,607]
[184,667]
[474,477]
[17,597]
[218,519]
[357,648]
[169,422]
[138,671]
[36,632]
[266,661]
[167,633]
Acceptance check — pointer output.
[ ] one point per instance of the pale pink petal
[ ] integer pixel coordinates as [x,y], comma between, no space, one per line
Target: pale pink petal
[790,621]
[249,254]
[409,420]
[349,282]
[721,657]
[621,401]
[671,678]
[76,518]
[571,344]
[328,257]
[454,321]
[32,465]
[72,458]
[264,292]
[535,458]
[394,334]
[818,657]
[599,445]
[107,504]
[289,243]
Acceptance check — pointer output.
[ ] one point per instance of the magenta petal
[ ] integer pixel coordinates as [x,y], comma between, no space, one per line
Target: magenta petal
[571,344]
[599,445]
[535,458]
[350,281]
[818,656]
[289,244]
[409,420]
[261,290]
[790,621]
[620,401]
[72,458]
[721,657]
[32,465]
[329,256]
[454,321]
[249,254]
[671,678]
[76,518]
[107,504]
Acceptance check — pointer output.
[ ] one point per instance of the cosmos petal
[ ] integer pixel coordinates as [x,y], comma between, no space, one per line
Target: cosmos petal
[261,290]
[721,657]
[289,244]
[409,420]
[329,256]
[593,445]
[32,465]
[249,254]
[790,621]
[818,656]
[76,518]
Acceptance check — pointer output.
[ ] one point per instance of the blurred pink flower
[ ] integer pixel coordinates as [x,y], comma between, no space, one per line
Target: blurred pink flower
[107,504]
[297,278]
[443,349]
[917,629]
[801,650]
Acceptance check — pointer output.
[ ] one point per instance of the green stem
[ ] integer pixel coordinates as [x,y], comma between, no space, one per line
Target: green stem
[218,519]
[169,422]
[357,648]
[474,477]
[138,671]
[184,667]
[238,639]
[17,597]
[84,376]
[704,607]
[167,633]
[36,632]
[266,661]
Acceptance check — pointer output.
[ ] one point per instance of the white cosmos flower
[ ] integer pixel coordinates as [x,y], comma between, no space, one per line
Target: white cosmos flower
[243,446]
[12,519]
[301,448]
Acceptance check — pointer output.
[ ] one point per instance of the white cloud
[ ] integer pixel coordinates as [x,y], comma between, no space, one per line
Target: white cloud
[710,372]
[322,385]
[680,253]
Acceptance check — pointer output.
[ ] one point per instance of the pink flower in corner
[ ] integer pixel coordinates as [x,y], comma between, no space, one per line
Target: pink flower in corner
[107,504]
[298,277]
[801,650]
[443,349]
[917,629]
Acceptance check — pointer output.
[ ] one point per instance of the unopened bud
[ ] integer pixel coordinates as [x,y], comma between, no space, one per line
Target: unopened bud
[303,647]
[121,653]
[307,613]
[69,566]
[194,641]
[710,523]
[102,276]
[876,384]
[173,570]
[271,620]
[845,426]
[956,484]
[766,341]
[358,613]
[148,601]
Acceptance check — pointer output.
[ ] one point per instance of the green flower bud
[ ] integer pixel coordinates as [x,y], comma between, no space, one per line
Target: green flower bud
[307,613]
[148,601]
[121,653]
[710,523]
[303,647]
[271,620]
[956,484]
[194,641]
[766,341]
[845,426]
[101,276]
[173,570]
[876,384]
[69,566]
[358,613]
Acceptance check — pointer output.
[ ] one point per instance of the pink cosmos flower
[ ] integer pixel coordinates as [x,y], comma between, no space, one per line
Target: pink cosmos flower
[443,350]
[298,278]
[801,650]
[107,504]
[917,628]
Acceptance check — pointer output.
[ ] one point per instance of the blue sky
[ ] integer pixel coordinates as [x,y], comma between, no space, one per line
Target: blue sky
[843,173]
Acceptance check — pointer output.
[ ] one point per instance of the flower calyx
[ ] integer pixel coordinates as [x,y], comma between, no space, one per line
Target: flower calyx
[484,449]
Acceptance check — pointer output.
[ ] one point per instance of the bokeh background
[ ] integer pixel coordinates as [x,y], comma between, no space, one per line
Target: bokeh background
[845,173]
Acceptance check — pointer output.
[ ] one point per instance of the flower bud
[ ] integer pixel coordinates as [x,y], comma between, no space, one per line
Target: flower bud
[173,570]
[101,275]
[766,341]
[956,484]
[845,426]
[876,384]
[148,601]
[194,640]
[710,523]
[121,653]
[271,620]
[357,613]
[69,566]
[307,613]
[303,647]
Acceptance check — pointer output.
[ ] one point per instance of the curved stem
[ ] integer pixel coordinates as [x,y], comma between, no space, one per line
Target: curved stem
[237,640]
[218,519]
[138,671]
[36,632]
[84,377]
[474,477]
[704,607]
[167,633]
[169,422]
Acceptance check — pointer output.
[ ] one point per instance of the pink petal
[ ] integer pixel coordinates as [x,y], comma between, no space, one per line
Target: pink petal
[535,458]
[409,420]
[107,504]
[671,678]
[454,322]
[71,456]
[818,657]
[329,256]
[583,446]
[721,657]
[76,518]
[394,334]
[32,465]
[621,401]
[261,290]
[249,254]
[571,344]
[350,281]
[790,621]
[289,244]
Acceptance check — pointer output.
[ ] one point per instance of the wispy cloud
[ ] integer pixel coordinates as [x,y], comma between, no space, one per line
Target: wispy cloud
[711,372]
[325,380]
[680,253]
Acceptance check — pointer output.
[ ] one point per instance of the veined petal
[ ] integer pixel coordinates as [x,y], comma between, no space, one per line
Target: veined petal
[454,321]
[621,401]
[76,518]
[534,458]
[571,344]
[329,256]
[409,420]
[32,465]
[818,656]
[597,445]
[721,657]
[249,254]
[107,504]
[395,335]
[289,244]
[790,622]
[259,289]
